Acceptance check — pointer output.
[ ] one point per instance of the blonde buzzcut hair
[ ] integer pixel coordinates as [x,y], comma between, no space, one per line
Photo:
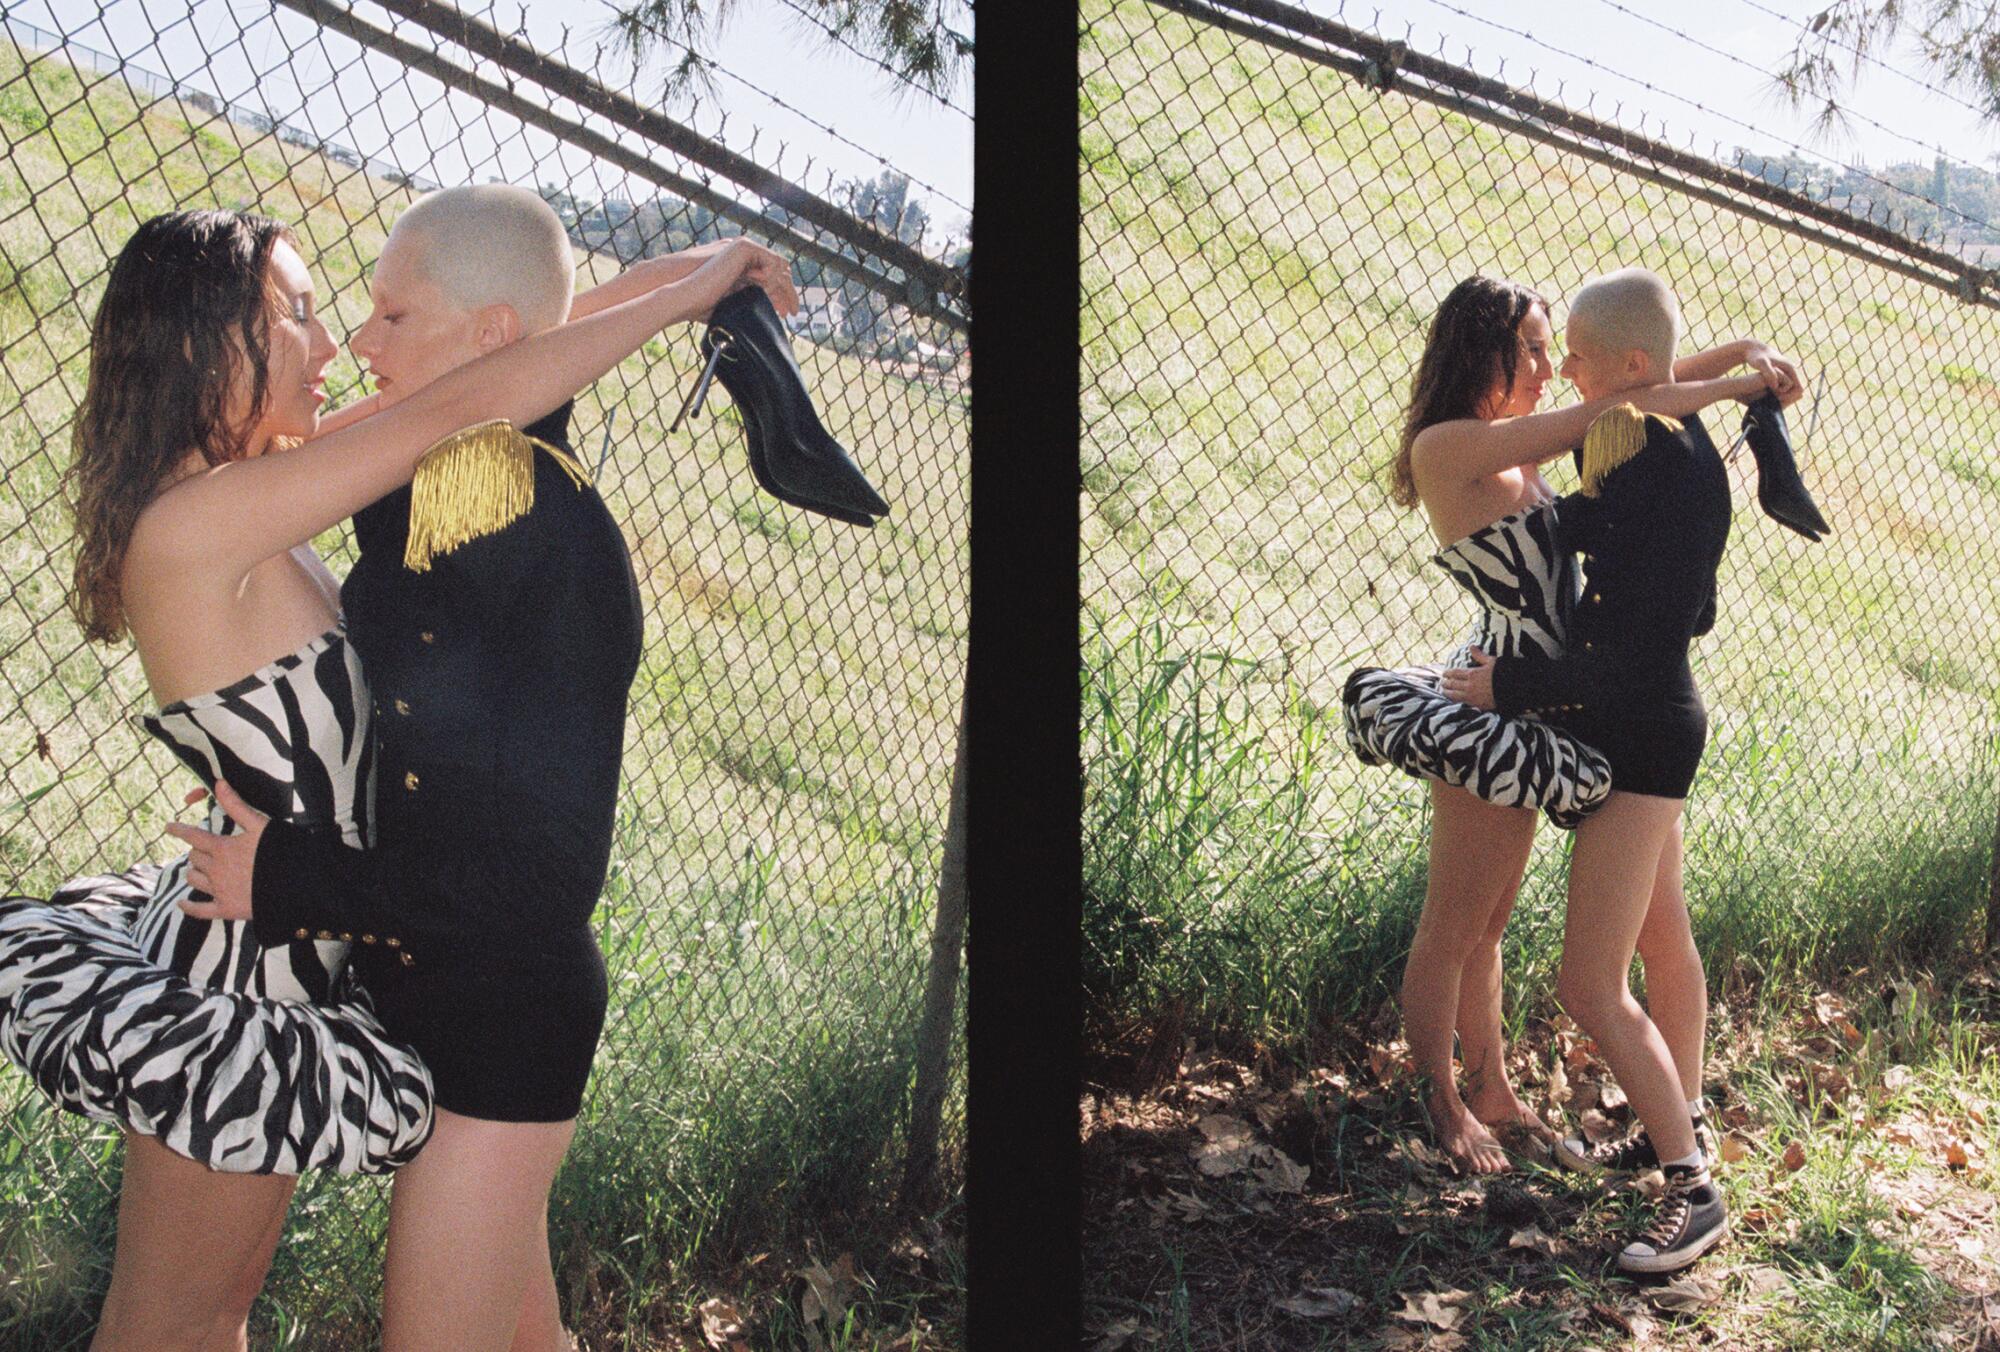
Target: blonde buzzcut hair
[1631,308]
[493,244]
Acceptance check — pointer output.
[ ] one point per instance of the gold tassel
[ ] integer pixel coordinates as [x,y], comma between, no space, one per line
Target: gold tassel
[474,482]
[1616,436]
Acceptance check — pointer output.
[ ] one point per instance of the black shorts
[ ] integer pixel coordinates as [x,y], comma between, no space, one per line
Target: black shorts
[1654,745]
[508,1037]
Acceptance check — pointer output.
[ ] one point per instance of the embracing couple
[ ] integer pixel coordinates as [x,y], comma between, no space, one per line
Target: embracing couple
[1574,700]
[415,770]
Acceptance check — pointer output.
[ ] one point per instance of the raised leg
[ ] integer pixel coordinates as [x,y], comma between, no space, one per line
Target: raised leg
[193,1248]
[1612,871]
[468,1267]
[1477,854]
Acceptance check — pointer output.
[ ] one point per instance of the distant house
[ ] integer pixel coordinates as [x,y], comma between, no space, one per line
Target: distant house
[820,309]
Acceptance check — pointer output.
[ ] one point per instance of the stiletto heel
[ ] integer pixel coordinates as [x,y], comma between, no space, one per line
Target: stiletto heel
[792,455]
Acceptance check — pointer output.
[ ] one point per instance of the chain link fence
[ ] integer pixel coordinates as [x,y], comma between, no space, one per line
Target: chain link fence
[1274,205]
[791,738]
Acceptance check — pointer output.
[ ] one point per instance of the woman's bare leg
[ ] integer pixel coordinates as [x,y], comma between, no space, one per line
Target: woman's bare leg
[193,1248]
[1477,854]
[1676,985]
[1488,1093]
[468,1239]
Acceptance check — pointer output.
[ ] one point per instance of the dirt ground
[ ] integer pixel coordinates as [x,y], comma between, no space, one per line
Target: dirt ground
[1234,1200]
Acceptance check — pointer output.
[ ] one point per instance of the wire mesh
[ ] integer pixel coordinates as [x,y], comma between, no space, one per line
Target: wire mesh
[791,733]
[1270,220]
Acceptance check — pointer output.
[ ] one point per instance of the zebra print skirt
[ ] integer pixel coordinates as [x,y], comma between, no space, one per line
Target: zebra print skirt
[1402,717]
[236,1082]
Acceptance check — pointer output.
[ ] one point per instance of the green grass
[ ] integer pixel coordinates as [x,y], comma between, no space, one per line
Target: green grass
[789,753]
[1264,244]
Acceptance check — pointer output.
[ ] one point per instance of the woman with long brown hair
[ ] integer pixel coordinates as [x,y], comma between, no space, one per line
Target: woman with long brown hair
[1468,456]
[202,472]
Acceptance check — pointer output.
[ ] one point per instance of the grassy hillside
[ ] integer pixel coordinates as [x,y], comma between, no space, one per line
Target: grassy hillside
[1264,244]
[789,755]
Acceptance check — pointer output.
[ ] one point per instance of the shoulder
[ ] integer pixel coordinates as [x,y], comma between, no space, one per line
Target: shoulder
[1624,443]
[1434,448]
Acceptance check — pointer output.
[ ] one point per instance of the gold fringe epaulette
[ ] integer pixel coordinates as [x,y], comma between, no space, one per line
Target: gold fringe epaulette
[474,482]
[1618,434]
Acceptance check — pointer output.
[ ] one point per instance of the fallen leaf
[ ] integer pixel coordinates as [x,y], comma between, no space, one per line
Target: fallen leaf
[1532,1238]
[1438,1309]
[1320,1302]
[1651,1184]
[1733,1150]
[1684,1295]
[1767,1281]
[1559,1090]
[1227,1148]
[1283,1174]
[1795,1156]
[1610,1097]
[1955,1156]
[1115,1336]
[1597,1127]
[721,1324]
[1426,1157]
[1386,1060]
[1971,1246]
[1900,1134]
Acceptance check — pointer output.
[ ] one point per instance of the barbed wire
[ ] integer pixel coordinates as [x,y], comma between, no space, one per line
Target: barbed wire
[876,61]
[805,117]
[1777,79]
[1871,60]
[1711,112]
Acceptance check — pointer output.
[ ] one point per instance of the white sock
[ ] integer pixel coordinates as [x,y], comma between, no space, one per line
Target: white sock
[1691,1161]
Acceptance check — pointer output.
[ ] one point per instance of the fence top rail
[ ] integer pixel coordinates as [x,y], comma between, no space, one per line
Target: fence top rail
[512,54]
[1383,64]
[331,16]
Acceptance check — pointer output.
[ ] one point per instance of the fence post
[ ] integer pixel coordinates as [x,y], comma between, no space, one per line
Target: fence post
[1993,893]
[920,1186]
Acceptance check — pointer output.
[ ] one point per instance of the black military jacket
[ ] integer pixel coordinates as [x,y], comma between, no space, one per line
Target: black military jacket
[1651,540]
[499,679]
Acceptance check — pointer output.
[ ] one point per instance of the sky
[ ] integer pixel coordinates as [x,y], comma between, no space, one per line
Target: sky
[236,47]
[1737,105]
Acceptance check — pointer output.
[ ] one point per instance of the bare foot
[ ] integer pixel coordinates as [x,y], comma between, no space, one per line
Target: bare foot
[1470,1145]
[1503,1108]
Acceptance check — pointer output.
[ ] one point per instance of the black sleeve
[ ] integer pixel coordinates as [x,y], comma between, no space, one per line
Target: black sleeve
[309,883]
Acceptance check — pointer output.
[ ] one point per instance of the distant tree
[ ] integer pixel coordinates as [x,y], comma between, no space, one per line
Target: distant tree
[885,203]
[925,44]
[1957,42]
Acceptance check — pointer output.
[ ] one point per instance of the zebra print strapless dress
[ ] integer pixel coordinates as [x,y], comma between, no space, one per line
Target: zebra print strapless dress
[1525,585]
[243,1058]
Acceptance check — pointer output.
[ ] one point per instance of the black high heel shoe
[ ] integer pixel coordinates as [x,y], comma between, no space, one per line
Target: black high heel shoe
[792,455]
[1780,491]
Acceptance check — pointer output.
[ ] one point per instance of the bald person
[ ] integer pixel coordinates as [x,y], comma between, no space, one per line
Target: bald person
[500,639]
[1650,520]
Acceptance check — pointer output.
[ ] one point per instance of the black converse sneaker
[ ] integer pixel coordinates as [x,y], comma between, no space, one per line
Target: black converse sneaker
[1632,1153]
[1691,1221]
